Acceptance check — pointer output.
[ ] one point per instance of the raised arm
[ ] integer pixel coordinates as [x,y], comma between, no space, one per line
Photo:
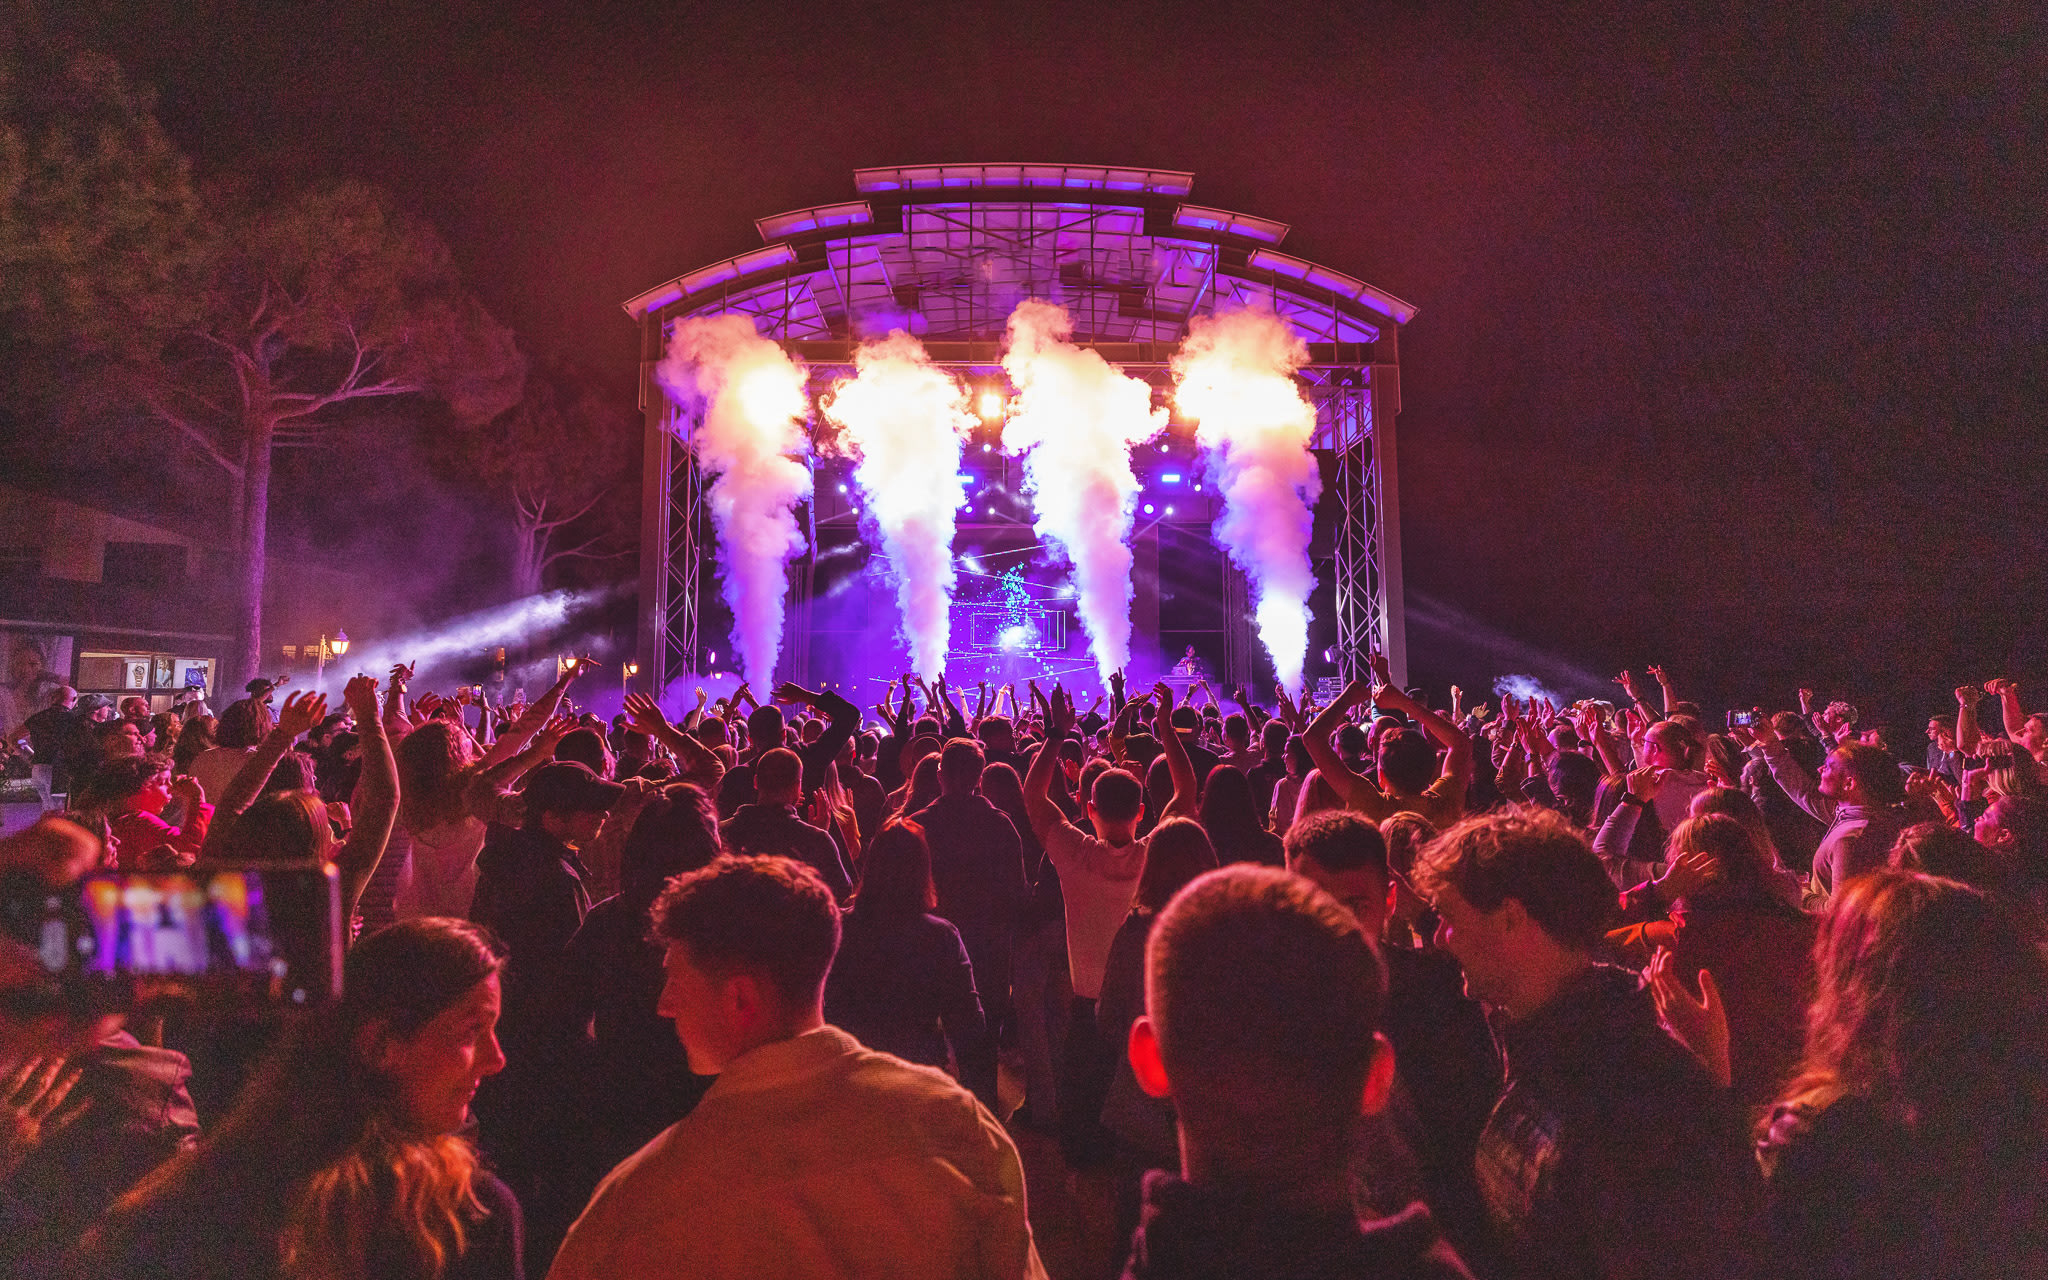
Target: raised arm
[2014,715]
[1182,769]
[488,793]
[842,720]
[1796,782]
[302,712]
[701,764]
[1968,736]
[1457,744]
[396,722]
[535,718]
[1663,687]
[375,802]
[1354,788]
[1038,806]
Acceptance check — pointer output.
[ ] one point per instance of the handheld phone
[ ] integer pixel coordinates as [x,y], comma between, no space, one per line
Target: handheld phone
[1741,719]
[223,937]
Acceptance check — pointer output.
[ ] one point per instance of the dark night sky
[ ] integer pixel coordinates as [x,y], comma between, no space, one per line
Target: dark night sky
[1730,321]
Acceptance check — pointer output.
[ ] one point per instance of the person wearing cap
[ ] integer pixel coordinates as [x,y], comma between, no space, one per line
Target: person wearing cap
[529,886]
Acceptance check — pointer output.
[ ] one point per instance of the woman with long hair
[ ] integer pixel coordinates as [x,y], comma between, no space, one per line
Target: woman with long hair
[1231,817]
[902,982]
[1914,1139]
[432,859]
[1287,791]
[344,1157]
[1717,907]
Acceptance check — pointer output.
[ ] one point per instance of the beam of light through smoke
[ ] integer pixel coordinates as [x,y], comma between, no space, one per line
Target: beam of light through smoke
[1075,420]
[750,396]
[467,638]
[1235,376]
[905,422]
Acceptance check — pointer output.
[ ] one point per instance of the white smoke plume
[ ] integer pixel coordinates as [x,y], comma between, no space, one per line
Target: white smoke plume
[1235,375]
[904,422]
[751,398]
[1075,420]
[1522,688]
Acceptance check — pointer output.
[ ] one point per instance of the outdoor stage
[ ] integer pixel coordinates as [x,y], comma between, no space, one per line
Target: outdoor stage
[946,253]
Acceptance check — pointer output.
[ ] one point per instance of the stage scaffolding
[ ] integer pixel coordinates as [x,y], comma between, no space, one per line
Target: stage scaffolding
[948,251]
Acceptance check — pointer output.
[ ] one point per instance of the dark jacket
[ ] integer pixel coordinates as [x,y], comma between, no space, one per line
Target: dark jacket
[774,830]
[137,1114]
[1448,1071]
[978,868]
[1853,1194]
[904,985]
[1186,1232]
[639,1080]
[529,892]
[1612,1154]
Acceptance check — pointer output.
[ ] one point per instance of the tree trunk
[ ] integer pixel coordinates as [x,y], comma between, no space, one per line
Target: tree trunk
[529,558]
[255,514]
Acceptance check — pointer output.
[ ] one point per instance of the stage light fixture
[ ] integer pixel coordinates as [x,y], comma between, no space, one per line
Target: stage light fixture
[1169,511]
[1148,508]
[1170,477]
[990,405]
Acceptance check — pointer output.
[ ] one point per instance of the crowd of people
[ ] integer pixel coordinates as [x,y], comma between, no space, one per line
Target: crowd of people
[775,988]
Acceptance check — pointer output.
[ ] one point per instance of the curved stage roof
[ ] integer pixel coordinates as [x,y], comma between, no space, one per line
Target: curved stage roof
[947,251]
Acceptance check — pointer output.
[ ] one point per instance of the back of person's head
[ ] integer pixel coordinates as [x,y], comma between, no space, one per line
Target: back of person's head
[1229,809]
[1265,998]
[1932,1004]
[676,832]
[1736,803]
[1158,784]
[1790,724]
[1273,737]
[778,776]
[765,727]
[2025,821]
[1178,851]
[295,771]
[1875,770]
[1002,787]
[1574,778]
[1338,840]
[771,917]
[432,760]
[1407,760]
[896,874]
[195,737]
[1116,796]
[1742,867]
[998,733]
[1084,786]
[1938,849]
[960,766]
[283,826]
[1406,834]
[243,723]
[587,748]
[1186,717]
[1352,741]
[119,779]
[1535,857]
[924,784]
[1237,731]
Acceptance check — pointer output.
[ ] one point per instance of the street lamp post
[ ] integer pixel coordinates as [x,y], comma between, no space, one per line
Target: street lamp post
[626,681]
[329,650]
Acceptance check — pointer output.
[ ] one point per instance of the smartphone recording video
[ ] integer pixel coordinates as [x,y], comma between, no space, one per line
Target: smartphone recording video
[222,937]
[1741,719]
